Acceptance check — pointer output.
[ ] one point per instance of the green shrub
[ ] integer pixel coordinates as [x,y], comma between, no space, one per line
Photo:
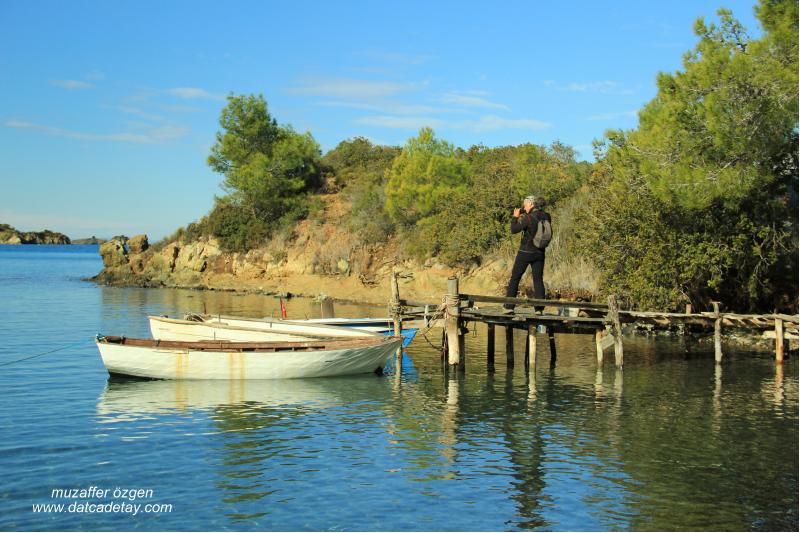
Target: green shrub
[368,217]
[237,227]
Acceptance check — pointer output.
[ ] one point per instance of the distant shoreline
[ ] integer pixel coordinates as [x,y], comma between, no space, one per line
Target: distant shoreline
[11,235]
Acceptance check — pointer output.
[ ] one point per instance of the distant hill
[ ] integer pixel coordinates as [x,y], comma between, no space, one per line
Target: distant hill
[11,235]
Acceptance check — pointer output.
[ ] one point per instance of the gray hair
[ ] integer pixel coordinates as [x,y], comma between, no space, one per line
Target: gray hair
[530,198]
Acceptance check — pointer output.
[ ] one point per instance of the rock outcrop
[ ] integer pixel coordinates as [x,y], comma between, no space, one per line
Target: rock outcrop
[10,235]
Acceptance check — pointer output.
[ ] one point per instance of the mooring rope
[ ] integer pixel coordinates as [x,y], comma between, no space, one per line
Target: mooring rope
[43,353]
[440,312]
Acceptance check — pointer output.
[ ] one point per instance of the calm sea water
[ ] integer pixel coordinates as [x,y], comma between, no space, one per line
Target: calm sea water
[673,443]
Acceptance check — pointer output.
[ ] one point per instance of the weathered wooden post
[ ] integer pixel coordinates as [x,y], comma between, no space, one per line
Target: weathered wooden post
[397,318]
[717,334]
[490,347]
[686,330]
[779,341]
[510,346]
[326,307]
[616,329]
[531,348]
[598,343]
[452,326]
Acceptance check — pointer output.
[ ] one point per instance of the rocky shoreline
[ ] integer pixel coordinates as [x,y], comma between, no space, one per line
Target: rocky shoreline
[363,276]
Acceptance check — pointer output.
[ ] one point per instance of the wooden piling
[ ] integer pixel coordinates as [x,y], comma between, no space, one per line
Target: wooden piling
[510,346]
[616,329]
[779,341]
[686,328]
[326,307]
[396,314]
[490,347]
[531,348]
[717,334]
[598,343]
[551,336]
[452,325]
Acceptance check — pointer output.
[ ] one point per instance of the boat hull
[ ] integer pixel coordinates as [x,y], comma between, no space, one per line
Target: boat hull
[209,327]
[157,362]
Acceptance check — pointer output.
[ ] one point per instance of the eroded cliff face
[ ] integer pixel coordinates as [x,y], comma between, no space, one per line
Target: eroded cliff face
[320,257]
[308,266]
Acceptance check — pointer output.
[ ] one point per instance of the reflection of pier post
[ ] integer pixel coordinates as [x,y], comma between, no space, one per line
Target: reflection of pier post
[530,367]
[717,401]
[778,395]
[490,347]
[618,384]
[449,414]
[509,346]
[598,383]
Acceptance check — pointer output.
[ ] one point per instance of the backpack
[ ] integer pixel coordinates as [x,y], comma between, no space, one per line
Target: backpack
[544,233]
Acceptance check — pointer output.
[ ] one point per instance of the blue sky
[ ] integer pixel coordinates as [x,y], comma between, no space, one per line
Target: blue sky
[109,108]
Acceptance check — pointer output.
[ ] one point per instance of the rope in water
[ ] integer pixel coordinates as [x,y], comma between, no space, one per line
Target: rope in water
[43,353]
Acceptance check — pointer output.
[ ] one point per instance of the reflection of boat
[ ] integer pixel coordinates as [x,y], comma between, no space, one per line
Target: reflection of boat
[245,330]
[135,397]
[171,329]
[245,360]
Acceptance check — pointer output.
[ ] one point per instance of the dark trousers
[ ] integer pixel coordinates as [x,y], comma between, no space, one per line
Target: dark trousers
[521,263]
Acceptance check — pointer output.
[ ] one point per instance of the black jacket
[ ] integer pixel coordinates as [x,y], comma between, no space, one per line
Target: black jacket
[528,223]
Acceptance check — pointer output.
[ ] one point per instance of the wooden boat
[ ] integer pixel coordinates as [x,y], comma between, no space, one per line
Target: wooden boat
[160,359]
[317,327]
[246,330]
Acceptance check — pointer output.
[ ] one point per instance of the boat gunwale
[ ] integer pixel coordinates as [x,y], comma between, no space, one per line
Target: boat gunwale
[250,347]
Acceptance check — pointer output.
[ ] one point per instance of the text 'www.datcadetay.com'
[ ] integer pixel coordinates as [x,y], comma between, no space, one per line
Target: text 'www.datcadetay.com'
[98,500]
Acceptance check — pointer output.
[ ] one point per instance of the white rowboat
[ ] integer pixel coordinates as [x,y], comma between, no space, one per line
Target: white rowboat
[245,360]
[246,330]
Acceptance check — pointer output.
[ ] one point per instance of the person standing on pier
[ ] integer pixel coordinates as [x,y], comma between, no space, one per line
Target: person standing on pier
[536,228]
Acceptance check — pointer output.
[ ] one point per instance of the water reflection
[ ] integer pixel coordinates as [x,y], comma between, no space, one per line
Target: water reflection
[129,399]
[671,443]
[674,444]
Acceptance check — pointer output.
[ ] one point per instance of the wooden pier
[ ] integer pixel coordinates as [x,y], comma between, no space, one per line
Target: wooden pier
[548,317]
